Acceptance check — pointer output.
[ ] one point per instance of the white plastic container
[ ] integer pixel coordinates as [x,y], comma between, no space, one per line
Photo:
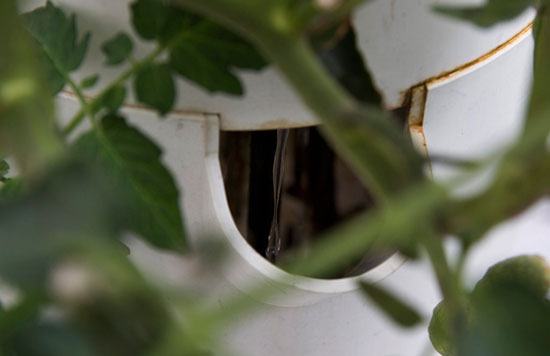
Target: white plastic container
[470,89]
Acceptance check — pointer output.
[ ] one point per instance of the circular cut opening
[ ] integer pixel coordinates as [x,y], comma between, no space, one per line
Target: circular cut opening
[285,188]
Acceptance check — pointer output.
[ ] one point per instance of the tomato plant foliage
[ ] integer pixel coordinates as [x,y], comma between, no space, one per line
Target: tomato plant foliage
[77,194]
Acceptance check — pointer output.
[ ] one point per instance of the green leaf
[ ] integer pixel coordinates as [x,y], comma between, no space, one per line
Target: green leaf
[154,86]
[133,161]
[114,98]
[440,330]
[89,82]
[4,168]
[11,189]
[396,309]
[493,12]
[118,49]
[530,271]
[61,49]
[508,320]
[200,50]
[209,55]
[149,18]
[527,275]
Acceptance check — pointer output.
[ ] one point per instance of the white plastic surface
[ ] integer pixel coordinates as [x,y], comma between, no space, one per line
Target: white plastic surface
[406,43]
[403,41]
[478,115]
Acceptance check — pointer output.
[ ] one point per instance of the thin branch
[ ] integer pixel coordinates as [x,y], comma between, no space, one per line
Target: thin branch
[81,114]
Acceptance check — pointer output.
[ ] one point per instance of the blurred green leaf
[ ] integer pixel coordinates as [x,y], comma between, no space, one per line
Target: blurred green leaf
[509,320]
[49,338]
[27,129]
[57,36]
[4,169]
[208,56]
[493,12]
[531,272]
[115,307]
[114,98]
[502,286]
[441,330]
[133,161]
[149,18]
[16,319]
[11,189]
[154,86]
[397,310]
[72,204]
[89,82]
[118,49]
[107,306]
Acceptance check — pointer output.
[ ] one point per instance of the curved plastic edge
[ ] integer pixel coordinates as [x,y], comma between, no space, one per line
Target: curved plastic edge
[310,289]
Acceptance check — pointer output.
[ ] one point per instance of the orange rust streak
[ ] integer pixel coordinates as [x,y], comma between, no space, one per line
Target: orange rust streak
[453,72]
[418,130]
[418,98]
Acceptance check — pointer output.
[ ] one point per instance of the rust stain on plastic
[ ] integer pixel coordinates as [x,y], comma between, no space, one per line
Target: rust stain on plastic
[495,51]
[415,120]
[449,74]
[418,139]
[417,95]
[417,106]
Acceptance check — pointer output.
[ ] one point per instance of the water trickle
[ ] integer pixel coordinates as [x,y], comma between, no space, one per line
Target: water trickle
[274,239]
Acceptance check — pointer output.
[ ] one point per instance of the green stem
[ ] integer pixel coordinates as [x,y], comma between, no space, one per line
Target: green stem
[75,121]
[462,258]
[450,288]
[81,114]
[363,135]
[85,106]
[136,65]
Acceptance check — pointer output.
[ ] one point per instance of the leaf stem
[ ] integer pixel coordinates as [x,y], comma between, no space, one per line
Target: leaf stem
[81,114]
[136,65]
[450,288]
[85,105]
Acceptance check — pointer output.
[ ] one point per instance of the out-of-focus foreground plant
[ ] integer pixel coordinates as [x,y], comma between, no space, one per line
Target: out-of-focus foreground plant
[61,218]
